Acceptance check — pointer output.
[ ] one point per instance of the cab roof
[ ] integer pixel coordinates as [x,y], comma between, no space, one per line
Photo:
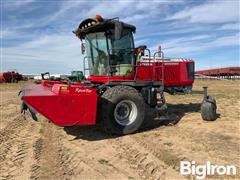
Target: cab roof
[92,25]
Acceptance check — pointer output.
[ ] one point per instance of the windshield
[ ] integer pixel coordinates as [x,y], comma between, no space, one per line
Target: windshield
[109,56]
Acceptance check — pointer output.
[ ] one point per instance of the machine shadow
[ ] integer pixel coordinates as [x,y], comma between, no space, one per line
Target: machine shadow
[175,113]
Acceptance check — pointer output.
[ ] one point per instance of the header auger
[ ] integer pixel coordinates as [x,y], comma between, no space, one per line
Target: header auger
[122,80]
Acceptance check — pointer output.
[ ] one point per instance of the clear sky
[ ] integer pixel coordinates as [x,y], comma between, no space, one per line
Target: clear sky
[36,35]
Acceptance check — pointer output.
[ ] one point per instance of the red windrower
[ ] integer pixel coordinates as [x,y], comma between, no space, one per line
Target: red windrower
[122,80]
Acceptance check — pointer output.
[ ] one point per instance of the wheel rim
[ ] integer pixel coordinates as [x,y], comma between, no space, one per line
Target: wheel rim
[125,112]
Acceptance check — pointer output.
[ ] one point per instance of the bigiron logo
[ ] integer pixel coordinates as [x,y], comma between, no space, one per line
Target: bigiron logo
[208,169]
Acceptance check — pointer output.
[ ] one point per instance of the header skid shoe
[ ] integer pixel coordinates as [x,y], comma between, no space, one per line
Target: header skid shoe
[63,105]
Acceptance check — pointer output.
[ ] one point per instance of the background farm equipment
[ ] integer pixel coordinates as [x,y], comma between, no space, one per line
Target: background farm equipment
[11,76]
[122,81]
[76,76]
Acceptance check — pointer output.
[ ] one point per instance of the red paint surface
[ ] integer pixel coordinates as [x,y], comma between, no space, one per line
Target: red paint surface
[175,74]
[75,106]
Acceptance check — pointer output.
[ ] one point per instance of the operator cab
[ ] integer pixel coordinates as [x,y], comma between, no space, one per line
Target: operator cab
[109,46]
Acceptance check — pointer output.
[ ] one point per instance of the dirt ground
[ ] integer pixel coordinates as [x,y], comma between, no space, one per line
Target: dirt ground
[41,150]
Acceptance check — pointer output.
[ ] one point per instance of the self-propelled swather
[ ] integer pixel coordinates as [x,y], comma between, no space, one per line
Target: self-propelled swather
[122,80]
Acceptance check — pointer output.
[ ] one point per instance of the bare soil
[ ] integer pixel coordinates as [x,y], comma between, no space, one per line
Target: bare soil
[41,150]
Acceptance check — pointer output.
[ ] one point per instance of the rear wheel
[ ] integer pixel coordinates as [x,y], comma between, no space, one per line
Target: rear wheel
[14,80]
[122,110]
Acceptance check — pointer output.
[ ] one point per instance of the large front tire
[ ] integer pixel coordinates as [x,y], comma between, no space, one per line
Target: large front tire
[122,110]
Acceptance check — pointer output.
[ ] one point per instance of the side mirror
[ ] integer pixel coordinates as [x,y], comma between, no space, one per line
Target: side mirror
[83,49]
[118,30]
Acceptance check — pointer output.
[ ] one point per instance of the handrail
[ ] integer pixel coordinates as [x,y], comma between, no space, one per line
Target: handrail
[124,65]
[84,60]
[149,58]
[149,55]
[163,69]
[136,66]
[154,68]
